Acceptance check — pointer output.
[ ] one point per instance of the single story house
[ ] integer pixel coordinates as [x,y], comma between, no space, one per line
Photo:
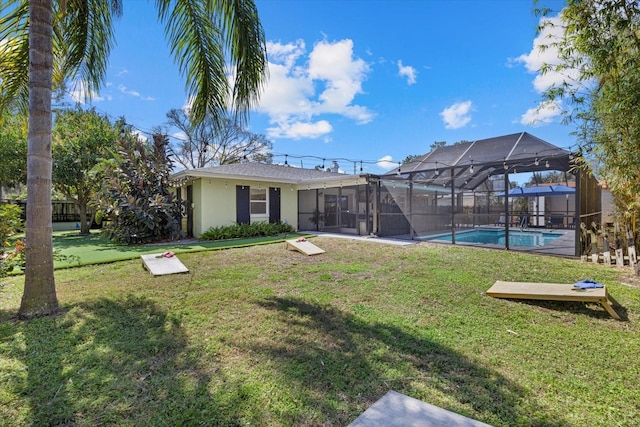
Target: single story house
[449,189]
[258,192]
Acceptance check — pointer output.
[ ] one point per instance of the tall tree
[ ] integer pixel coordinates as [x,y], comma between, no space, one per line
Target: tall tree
[213,142]
[600,51]
[437,144]
[13,151]
[81,139]
[45,42]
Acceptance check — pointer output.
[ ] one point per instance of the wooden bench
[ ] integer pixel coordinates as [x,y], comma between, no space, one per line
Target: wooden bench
[553,292]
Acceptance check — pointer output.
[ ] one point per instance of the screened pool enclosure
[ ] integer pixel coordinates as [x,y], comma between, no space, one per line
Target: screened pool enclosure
[460,188]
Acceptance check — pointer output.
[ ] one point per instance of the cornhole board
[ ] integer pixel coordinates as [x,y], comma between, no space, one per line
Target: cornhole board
[397,410]
[159,265]
[304,246]
[553,292]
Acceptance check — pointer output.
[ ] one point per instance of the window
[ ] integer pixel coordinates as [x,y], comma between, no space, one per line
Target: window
[258,201]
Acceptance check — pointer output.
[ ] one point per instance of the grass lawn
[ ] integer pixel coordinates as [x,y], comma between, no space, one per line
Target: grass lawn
[263,336]
[96,249]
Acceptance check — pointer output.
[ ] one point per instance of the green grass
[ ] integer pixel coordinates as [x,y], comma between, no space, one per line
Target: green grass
[79,250]
[265,336]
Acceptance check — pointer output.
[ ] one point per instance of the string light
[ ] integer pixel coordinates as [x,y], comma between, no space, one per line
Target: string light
[206,146]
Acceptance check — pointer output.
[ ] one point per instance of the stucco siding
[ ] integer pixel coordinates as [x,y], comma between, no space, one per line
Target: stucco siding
[289,205]
[215,203]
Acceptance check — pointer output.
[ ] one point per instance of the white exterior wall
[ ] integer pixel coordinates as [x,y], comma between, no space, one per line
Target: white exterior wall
[289,204]
[215,203]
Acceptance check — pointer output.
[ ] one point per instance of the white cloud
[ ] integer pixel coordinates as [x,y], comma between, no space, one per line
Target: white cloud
[327,83]
[407,71]
[80,93]
[188,104]
[134,93]
[181,136]
[538,57]
[544,53]
[545,113]
[139,135]
[298,130]
[457,115]
[386,162]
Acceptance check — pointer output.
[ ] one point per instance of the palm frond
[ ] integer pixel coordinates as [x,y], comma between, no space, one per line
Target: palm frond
[211,40]
[197,47]
[248,52]
[14,55]
[82,40]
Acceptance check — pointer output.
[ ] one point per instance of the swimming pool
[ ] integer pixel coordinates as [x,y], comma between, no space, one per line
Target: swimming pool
[527,238]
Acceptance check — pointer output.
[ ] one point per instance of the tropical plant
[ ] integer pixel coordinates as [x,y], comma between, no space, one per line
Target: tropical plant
[551,177]
[135,194]
[10,224]
[80,141]
[243,230]
[46,42]
[599,57]
[437,144]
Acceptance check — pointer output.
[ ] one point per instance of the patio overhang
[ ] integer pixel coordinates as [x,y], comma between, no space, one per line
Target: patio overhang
[467,166]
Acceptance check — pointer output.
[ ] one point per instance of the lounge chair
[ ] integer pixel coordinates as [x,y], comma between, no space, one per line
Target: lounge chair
[500,220]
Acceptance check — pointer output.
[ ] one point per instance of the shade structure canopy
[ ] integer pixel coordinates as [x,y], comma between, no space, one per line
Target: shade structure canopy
[468,165]
[539,190]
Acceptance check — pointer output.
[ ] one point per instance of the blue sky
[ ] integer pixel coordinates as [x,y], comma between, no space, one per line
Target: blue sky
[370,80]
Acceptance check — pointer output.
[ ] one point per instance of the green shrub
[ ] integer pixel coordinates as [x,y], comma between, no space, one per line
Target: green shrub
[136,195]
[10,224]
[243,231]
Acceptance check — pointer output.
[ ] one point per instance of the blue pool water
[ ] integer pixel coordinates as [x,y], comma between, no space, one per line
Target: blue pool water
[497,237]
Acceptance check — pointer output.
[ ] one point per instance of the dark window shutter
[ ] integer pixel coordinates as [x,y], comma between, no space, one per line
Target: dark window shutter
[274,204]
[243,213]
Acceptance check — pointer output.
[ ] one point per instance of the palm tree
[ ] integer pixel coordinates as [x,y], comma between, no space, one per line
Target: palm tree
[43,43]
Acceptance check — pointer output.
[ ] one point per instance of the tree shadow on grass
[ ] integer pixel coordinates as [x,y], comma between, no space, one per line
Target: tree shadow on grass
[340,364]
[111,362]
[576,308]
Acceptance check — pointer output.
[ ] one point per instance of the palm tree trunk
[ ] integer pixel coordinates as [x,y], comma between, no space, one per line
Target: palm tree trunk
[39,297]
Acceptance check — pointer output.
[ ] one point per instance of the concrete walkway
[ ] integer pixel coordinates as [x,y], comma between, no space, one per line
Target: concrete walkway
[384,240]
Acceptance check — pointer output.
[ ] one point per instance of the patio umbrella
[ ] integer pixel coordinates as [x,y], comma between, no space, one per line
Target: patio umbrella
[539,190]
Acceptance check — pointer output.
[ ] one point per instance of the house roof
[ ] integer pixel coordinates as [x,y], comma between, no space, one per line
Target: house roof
[469,164]
[261,172]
